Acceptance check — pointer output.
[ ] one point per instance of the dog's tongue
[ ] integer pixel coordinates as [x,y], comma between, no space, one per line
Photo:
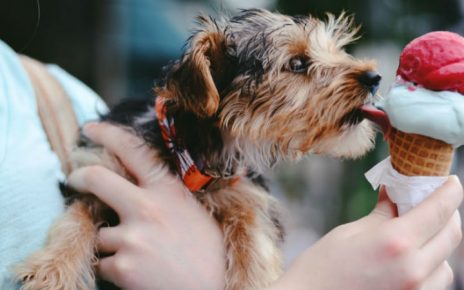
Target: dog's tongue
[377,116]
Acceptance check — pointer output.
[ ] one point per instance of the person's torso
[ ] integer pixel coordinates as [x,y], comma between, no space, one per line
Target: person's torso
[30,199]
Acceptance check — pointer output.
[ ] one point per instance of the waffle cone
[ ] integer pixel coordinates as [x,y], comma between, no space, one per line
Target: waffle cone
[415,155]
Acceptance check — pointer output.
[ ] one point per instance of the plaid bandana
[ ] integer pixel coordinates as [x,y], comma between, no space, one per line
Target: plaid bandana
[188,169]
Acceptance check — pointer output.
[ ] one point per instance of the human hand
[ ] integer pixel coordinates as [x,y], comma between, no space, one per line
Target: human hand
[382,251]
[165,239]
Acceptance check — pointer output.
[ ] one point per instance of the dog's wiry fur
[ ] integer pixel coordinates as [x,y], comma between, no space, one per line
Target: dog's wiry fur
[248,92]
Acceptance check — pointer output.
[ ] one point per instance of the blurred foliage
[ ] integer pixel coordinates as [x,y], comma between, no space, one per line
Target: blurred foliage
[399,20]
[357,196]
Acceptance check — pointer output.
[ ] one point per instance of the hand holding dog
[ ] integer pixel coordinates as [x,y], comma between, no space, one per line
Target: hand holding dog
[381,251]
[165,234]
[165,240]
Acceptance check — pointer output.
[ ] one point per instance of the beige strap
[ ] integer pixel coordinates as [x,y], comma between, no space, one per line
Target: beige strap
[55,111]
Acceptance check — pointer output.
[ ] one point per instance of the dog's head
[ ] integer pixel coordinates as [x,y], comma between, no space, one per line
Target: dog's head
[277,86]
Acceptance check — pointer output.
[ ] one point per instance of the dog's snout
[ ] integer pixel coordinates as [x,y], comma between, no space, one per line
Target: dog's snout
[371,80]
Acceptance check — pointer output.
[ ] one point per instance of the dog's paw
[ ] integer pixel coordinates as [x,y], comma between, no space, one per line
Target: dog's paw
[43,271]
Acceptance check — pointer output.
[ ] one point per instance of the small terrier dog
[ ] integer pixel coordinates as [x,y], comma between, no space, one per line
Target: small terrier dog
[249,91]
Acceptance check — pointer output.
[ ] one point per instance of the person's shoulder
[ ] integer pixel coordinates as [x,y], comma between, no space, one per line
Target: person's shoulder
[86,103]
[11,69]
[6,52]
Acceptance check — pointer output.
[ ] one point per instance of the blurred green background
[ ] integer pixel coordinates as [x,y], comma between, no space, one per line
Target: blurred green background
[118,48]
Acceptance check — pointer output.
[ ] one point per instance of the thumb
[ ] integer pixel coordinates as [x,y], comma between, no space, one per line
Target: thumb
[384,209]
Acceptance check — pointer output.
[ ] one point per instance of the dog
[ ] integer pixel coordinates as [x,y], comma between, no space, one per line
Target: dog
[249,91]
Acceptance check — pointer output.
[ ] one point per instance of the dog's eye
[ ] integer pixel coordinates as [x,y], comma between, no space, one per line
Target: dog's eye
[298,64]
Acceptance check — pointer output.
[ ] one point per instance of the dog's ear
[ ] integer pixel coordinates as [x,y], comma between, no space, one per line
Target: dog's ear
[192,80]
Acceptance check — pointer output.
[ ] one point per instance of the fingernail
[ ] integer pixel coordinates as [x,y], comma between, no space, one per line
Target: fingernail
[71,177]
[88,127]
[454,178]
[75,179]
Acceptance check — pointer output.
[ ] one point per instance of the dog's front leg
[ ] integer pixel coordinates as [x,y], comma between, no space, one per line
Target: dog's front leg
[68,259]
[252,236]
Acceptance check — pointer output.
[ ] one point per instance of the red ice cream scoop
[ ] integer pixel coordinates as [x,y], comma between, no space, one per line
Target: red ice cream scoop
[435,61]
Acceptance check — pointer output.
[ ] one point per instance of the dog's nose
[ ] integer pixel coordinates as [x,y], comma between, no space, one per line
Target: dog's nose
[371,80]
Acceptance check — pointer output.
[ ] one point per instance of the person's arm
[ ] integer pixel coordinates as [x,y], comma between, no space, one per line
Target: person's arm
[167,241]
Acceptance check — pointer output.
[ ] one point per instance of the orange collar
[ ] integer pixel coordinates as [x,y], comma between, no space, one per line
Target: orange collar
[189,170]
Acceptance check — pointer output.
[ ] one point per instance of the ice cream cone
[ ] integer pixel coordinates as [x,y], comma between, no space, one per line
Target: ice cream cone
[415,155]
[422,118]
